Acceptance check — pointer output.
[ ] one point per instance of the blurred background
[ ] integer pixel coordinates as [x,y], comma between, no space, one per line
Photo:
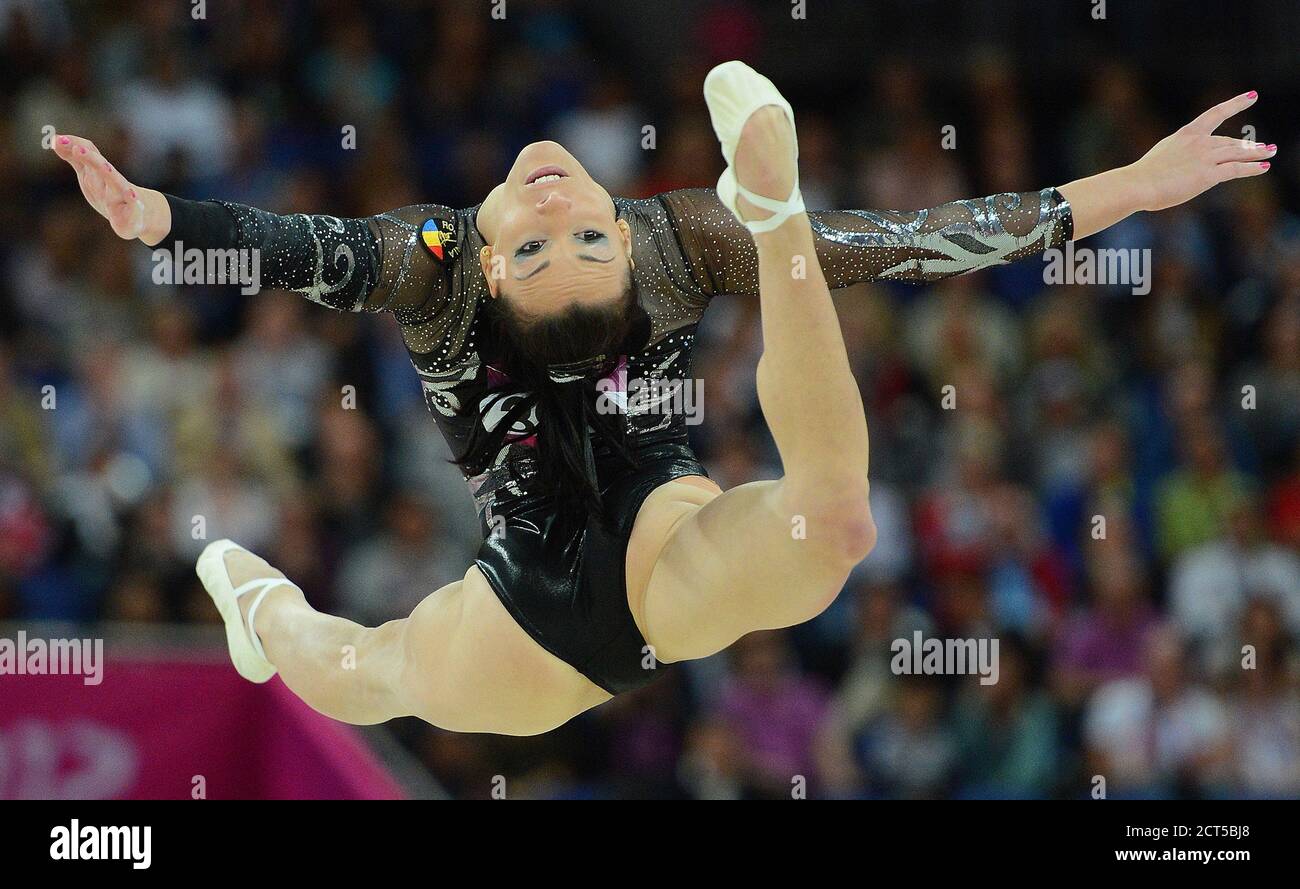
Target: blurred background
[1121,657]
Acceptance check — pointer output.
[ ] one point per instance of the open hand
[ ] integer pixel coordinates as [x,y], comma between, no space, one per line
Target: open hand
[1193,160]
[104,187]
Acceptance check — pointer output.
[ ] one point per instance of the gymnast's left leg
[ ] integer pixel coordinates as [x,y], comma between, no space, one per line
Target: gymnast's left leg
[706,568]
[459,661]
[340,668]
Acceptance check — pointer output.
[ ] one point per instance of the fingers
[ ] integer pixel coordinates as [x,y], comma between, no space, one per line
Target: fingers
[80,154]
[75,150]
[103,185]
[115,183]
[1213,118]
[1228,150]
[101,182]
[92,186]
[1242,170]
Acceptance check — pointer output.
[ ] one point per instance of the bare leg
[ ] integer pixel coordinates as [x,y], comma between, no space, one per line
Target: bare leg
[459,661]
[771,554]
[337,667]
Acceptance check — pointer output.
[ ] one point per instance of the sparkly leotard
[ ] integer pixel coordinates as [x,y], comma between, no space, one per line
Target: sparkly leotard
[421,263]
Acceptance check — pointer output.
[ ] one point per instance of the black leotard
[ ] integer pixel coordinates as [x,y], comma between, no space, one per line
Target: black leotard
[687,248]
[566,588]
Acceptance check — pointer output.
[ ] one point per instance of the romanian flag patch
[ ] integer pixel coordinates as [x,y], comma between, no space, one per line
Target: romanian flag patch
[439,238]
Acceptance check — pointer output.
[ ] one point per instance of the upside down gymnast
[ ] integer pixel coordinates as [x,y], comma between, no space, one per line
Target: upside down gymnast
[607,551]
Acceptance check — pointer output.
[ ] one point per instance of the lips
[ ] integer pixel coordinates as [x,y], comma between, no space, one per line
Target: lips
[549,170]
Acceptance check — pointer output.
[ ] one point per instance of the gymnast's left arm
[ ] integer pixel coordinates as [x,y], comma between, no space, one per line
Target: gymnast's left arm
[856,246]
[971,234]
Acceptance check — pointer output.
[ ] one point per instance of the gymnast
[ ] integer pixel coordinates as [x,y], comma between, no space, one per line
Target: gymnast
[548,326]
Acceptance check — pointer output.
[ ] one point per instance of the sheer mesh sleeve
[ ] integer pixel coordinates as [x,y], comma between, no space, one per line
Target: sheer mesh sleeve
[373,264]
[854,246]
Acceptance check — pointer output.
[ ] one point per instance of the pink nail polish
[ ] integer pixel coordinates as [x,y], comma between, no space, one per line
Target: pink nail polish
[1252,94]
[63,140]
[1272,148]
[1265,165]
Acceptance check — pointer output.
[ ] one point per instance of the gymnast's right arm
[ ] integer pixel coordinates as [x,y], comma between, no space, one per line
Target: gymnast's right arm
[352,265]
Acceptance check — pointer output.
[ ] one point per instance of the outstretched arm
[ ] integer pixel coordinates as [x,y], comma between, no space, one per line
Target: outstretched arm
[358,265]
[854,246]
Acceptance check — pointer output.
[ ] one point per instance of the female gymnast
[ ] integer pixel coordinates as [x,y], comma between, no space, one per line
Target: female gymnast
[547,326]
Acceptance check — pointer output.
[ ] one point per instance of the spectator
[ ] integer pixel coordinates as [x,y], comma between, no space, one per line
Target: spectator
[1266,716]
[1194,501]
[176,123]
[1160,732]
[1007,732]
[1211,584]
[910,752]
[773,712]
[869,686]
[1105,640]
[386,576]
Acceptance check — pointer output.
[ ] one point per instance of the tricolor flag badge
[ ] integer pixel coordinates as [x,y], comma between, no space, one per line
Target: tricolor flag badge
[439,242]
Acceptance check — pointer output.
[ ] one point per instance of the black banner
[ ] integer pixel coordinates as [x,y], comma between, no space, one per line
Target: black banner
[330,839]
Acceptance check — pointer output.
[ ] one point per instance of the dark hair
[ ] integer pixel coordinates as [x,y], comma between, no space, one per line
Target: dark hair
[556,361]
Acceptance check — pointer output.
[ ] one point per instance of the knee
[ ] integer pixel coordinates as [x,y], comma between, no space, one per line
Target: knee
[860,539]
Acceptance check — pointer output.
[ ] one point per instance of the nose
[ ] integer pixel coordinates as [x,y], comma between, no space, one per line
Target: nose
[554,203]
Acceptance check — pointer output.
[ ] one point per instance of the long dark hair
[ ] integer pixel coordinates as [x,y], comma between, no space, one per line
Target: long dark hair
[555,361]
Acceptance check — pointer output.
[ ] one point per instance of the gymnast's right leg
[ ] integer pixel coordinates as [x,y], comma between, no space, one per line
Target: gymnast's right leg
[459,661]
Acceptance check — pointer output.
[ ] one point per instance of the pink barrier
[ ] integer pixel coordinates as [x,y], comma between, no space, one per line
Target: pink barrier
[166,728]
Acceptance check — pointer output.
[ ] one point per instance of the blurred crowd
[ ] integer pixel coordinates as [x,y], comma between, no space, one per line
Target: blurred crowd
[1115,495]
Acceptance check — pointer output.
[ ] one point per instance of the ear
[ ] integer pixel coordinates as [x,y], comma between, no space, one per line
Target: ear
[625,231]
[485,259]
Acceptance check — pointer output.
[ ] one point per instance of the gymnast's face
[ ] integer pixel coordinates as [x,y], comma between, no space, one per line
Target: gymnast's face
[554,236]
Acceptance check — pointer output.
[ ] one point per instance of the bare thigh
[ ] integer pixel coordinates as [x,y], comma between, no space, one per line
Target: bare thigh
[469,667]
[706,567]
